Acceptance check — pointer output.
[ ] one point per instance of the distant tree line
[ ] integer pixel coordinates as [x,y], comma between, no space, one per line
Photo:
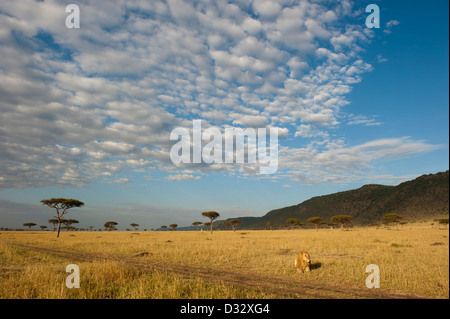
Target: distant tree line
[389,219]
[316,222]
[63,205]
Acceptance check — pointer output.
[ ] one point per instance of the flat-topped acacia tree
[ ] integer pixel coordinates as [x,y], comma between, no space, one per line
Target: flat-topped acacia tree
[316,221]
[196,224]
[109,226]
[212,216]
[62,206]
[234,223]
[29,225]
[54,222]
[343,220]
[391,218]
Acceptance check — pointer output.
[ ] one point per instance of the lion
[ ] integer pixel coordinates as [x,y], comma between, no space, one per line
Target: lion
[303,262]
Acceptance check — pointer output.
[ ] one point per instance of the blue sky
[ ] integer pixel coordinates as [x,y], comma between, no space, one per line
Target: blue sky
[87,113]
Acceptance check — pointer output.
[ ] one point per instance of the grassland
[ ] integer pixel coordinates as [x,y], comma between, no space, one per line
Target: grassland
[413,261]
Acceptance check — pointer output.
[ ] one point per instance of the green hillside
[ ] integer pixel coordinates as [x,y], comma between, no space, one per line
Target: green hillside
[425,196]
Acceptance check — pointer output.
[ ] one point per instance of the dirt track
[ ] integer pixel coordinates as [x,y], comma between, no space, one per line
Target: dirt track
[281,287]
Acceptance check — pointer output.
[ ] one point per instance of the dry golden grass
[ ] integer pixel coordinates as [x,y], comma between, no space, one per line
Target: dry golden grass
[413,260]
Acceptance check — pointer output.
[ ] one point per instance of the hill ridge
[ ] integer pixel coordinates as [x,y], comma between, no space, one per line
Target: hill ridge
[424,196]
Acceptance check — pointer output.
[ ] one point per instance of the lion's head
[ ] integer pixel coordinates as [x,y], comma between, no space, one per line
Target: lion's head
[305,257]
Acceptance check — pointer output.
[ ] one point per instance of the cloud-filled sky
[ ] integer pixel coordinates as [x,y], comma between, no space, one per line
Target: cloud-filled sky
[87,112]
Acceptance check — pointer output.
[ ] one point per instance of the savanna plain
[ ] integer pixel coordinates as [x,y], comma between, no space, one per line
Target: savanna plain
[413,260]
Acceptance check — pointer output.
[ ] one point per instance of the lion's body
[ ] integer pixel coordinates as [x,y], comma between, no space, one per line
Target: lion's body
[303,262]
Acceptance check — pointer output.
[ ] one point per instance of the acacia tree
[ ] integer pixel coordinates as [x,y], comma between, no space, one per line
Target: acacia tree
[270,225]
[343,220]
[54,222]
[135,226]
[316,221]
[173,226]
[62,206]
[391,218]
[293,222]
[68,223]
[29,225]
[212,216]
[196,224]
[234,223]
[226,223]
[110,226]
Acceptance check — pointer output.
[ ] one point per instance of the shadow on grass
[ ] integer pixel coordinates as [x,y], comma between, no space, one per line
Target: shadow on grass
[316,265]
